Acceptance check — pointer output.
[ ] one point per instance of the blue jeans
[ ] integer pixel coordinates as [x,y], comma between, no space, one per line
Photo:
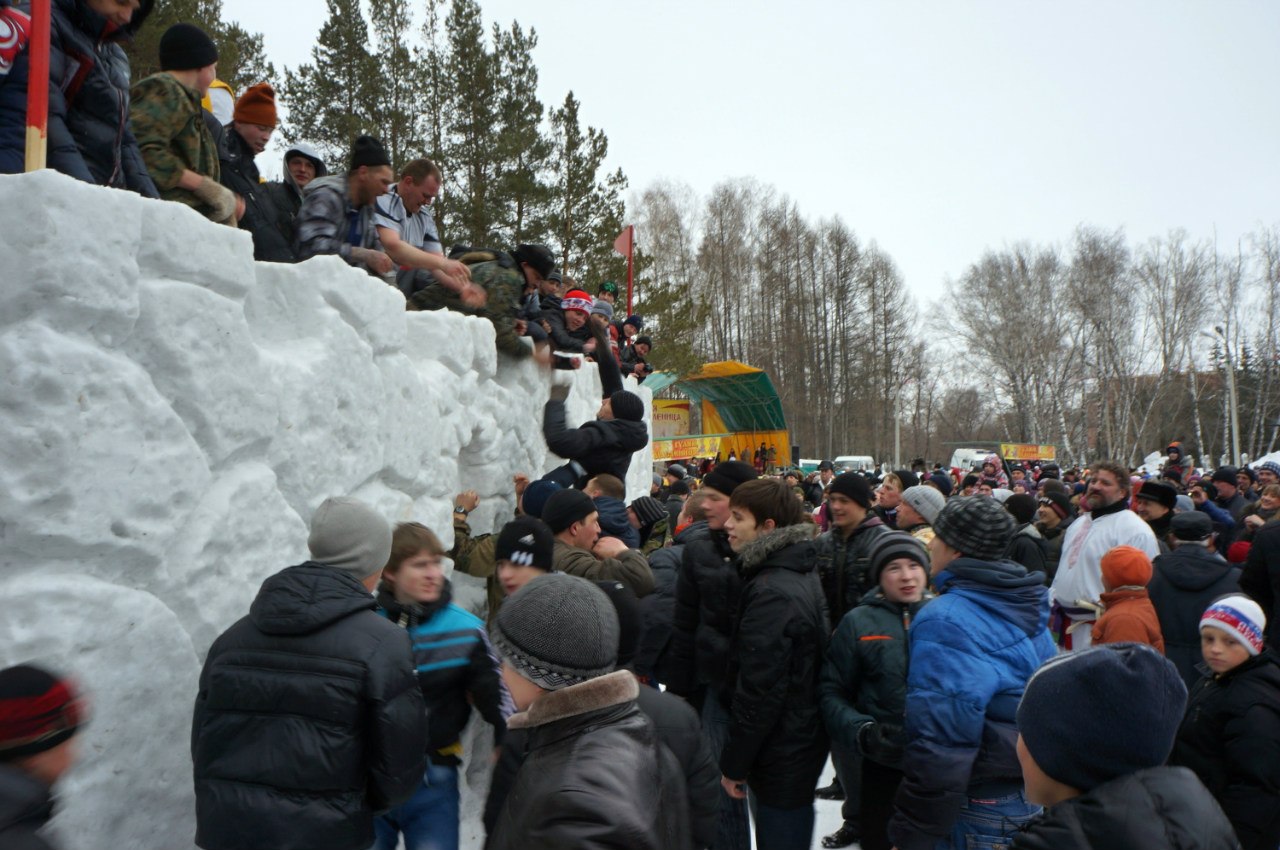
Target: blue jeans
[429,820]
[734,829]
[989,823]
[783,829]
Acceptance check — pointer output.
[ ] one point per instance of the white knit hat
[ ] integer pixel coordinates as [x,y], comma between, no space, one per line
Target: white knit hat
[1240,617]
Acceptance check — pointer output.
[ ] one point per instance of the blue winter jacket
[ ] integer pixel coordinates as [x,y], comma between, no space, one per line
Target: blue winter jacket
[89,135]
[972,651]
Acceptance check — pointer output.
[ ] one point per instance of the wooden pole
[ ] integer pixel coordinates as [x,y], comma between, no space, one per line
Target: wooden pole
[38,86]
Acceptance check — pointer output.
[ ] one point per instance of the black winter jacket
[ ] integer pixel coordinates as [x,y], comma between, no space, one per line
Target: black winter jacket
[707,591]
[658,609]
[239,173]
[89,137]
[1183,584]
[1029,549]
[864,678]
[26,806]
[601,445]
[776,739]
[1261,576]
[1161,808]
[309,719]
[843,564]
[595,775]
[1053,538]
[563,339]
[1230,737]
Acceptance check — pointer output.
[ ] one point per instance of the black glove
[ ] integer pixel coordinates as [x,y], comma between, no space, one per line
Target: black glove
[881,742]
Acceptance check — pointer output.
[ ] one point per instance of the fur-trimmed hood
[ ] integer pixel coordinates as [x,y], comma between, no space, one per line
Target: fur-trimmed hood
[592,695]
[755,553]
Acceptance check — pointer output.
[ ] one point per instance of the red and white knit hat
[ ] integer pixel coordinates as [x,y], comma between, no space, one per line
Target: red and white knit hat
[1240,617]
[38,711]
[576,299]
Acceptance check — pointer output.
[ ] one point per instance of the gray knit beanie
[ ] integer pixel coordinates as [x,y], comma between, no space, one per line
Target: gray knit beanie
[977,526]
[350,536]
[558,630]
[927,501]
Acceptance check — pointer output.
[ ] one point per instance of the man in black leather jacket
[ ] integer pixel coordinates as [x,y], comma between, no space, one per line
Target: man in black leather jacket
[309,719]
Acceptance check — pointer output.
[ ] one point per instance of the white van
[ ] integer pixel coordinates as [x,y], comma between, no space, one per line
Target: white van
[855,463]
[970,459]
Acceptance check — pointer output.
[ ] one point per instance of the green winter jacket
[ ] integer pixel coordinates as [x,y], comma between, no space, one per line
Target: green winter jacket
[168,122]
[864,676]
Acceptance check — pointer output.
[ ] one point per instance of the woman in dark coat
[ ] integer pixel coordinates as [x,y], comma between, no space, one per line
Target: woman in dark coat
[88,127]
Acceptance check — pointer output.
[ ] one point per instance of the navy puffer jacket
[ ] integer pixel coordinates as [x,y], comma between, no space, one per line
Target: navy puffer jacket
[89,134]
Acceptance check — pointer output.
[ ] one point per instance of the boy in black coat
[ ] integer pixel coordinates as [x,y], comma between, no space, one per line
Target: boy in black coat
[1095,728]
[777,745]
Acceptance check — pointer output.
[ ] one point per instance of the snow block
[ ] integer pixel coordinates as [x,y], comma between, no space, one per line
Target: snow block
[173,414]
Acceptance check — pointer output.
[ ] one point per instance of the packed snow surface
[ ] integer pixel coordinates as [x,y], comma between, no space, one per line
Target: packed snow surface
[172,414]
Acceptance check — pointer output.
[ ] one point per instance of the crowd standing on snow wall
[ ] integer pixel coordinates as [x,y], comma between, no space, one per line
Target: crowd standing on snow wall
[1022,657]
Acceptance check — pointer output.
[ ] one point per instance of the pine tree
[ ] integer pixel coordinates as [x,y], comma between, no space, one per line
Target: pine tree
[522,148]
[470,121]
[335,97]
[587,210]
[398,105]
[242,60]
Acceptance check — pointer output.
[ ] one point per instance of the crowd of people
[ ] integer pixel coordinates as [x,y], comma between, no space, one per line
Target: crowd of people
[161,137]
[1017,655]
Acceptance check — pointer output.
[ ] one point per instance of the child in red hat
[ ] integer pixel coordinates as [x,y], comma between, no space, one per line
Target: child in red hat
[1129,614]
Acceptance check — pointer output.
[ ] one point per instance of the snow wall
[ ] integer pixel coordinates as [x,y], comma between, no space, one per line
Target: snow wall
[172,415]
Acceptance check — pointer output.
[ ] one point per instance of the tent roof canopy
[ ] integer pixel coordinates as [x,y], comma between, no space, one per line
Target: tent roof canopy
[742,395]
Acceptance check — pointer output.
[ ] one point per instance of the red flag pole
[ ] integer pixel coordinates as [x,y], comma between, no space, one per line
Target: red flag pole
[38,86]
[631,249]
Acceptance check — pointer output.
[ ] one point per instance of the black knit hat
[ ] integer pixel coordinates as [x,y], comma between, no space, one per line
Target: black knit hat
[907,477]
[1226,474]
[558,631]
[726,477]
[186,47]
[853,486]
[942,481]
[895,544]
[369,151]
[566,507]
[527,542]
[977,526]
[1022,507]
[626,405]
[648,510]
[1059,501]
[630,620]
[1158,492]
[38,711]
[537,256]
[1089,717]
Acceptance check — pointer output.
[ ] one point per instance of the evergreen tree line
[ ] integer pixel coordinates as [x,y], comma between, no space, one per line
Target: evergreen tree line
[1100,347]
[466,97]
[242,59]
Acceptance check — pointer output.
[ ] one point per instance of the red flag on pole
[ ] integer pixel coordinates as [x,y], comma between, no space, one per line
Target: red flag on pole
[623,243]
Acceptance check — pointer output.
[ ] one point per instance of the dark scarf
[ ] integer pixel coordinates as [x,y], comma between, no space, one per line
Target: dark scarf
[1114,508]
[410,614]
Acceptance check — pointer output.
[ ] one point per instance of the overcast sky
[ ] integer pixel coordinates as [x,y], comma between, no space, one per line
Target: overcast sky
[938,129]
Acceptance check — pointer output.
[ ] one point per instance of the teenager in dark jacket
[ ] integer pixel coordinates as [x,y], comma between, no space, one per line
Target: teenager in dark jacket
[676,723]
[1230,735]
[1183,584]
[608,493]
[658,608]
[89,137]
[40,715]
[1095,729]
[251,127]
[302,164]
[1053,517]
[776,745]
[456,670]
[605,444]
[706,610]
[972,651]
[843,569]
[309,718]
[595,773]
[1027,546]
[863,688]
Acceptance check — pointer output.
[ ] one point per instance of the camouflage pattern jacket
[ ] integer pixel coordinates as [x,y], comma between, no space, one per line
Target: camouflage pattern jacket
[168,123]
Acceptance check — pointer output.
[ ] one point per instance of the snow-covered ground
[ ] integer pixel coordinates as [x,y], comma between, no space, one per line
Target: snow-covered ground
[172,415]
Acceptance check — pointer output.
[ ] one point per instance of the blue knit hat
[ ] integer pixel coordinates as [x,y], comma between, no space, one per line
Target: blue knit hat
[1089,717]
[536,495]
